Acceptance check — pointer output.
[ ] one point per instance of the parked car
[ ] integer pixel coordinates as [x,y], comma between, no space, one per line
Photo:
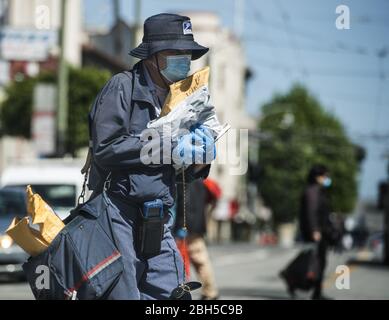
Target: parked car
[12,203]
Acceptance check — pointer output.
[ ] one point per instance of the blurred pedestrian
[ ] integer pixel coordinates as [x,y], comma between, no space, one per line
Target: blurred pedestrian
[314,226]
[315,218]
[221,215]
[198,200]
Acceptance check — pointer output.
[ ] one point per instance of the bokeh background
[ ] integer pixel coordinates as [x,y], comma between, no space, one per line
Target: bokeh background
[305,90]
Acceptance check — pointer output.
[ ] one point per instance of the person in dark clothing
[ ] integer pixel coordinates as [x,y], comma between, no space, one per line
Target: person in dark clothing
[197,200]
[314,218]
[119,116]
[314,223]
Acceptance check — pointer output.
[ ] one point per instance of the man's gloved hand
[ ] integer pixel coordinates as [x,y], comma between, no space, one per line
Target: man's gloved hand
[208,144]
[184,152]
[198,146]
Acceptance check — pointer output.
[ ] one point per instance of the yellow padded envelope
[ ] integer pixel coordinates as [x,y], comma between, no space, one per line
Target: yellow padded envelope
[30,240]
[184,88]
[42,215]
[27,238]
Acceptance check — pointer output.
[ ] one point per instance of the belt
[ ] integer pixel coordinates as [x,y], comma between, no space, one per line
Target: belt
[135,205]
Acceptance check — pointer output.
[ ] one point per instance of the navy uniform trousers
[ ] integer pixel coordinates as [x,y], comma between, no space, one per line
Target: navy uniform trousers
[149,279]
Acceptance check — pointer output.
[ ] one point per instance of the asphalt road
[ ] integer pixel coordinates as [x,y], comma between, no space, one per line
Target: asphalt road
[249,272]
[246,271]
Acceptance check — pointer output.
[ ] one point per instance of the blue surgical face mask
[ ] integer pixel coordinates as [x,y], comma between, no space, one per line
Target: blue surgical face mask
[327,182]
[177,67]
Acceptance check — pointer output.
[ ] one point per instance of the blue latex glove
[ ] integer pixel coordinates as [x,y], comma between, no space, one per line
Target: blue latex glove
[197,146]
[185,151]
[208,143]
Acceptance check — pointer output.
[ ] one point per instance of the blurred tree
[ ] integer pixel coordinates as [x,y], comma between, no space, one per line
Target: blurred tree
[301,134]
[84,84]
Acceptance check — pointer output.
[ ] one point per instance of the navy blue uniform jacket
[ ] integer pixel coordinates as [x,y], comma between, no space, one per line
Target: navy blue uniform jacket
[120,112]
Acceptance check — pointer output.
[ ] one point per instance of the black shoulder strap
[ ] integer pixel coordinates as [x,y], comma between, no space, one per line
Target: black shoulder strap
[130,74]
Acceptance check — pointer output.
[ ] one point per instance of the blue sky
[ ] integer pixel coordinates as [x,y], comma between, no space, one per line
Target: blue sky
[289,41]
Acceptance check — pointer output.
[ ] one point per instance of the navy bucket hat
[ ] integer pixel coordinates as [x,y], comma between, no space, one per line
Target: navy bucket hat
[167,31]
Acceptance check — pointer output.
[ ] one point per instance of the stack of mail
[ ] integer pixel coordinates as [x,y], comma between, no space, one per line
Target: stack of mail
[188,104]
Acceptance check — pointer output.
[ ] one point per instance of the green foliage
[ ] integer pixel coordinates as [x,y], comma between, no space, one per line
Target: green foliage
[83,87]
[15,112]
[301,133]
[84,84]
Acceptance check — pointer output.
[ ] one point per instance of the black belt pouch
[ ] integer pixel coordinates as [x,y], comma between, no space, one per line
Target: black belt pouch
[150,229]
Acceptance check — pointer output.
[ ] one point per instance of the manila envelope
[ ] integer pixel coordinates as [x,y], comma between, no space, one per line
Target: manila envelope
[184,88]
[42,215]
[27,238]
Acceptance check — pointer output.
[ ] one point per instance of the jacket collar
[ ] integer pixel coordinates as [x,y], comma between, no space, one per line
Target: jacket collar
[141,92]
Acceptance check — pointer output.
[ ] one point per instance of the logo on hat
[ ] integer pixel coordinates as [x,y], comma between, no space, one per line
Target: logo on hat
[187,27]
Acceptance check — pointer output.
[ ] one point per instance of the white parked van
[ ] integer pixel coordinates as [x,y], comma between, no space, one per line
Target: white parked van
[57,181]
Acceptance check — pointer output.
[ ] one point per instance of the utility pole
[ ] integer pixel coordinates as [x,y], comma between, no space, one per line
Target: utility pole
[116,9]
[138,12]
[118,33]
[62,89]
[136,26]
